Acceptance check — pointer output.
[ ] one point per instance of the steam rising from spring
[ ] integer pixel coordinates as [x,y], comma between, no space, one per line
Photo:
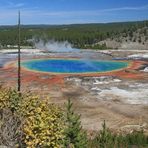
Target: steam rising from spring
[58,47]
[62,47]
[54,46]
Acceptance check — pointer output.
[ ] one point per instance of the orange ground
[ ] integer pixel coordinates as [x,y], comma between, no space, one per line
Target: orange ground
[29,76]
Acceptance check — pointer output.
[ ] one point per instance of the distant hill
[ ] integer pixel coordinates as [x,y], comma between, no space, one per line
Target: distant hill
[96,35]
[134,37]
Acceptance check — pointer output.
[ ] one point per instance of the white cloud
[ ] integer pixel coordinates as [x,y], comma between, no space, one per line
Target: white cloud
[126,8]
[11,5]
[15,5]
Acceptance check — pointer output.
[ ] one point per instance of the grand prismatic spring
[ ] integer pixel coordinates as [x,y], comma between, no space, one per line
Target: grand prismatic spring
[73,65]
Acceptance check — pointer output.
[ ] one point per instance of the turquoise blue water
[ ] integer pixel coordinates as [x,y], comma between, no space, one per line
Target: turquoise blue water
[73,65]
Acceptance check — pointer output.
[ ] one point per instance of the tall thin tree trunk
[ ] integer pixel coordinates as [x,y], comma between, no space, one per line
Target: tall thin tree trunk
[19,55]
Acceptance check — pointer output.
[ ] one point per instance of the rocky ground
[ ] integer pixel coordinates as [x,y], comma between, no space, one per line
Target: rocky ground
[122,102]
[119,102]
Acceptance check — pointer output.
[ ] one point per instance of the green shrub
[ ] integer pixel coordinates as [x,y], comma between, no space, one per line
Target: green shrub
[74,135]
[106,139]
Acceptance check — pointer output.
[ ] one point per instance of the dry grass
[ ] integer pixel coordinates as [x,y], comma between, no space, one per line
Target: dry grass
[10,126]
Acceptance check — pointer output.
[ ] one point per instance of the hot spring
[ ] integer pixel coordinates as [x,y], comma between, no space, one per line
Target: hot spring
[74,66]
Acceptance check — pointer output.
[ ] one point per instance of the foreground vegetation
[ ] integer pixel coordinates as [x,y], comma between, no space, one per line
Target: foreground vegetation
[80,36]
[28,121]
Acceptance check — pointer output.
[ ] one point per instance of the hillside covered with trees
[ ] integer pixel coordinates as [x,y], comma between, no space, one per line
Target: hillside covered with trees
[79,35]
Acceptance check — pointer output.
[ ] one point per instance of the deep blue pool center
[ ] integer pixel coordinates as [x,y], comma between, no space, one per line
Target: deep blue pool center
[73,65]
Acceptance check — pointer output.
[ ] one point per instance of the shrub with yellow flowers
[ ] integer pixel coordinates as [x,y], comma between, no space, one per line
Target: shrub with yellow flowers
[42,123]
[9,99]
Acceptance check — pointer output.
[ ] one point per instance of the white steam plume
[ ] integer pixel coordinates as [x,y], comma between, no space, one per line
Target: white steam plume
[54,46]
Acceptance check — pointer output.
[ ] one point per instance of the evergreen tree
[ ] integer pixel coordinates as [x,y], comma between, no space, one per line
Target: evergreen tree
[75,137]
[105,139]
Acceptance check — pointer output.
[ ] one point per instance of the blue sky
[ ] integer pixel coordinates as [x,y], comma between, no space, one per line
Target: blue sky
[72,11]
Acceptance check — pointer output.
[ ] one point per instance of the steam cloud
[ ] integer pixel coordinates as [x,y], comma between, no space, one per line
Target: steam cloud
[54,46]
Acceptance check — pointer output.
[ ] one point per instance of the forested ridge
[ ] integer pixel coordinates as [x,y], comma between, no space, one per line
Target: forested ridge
[79,35]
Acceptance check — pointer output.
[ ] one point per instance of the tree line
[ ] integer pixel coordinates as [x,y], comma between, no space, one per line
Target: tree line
[79,35]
